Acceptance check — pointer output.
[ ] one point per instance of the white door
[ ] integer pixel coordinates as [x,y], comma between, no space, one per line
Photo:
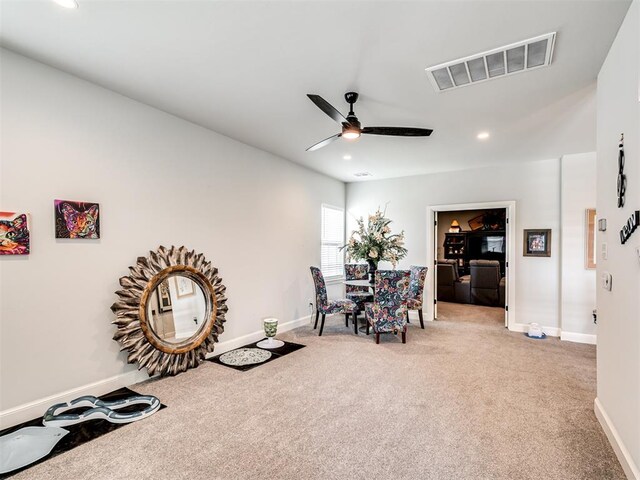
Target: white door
[435,265]
[506,269]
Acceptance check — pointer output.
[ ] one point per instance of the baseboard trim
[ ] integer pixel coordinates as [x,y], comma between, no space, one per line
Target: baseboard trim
[579,337]
[624,457]
[36,408]
[31,410]
[524,327]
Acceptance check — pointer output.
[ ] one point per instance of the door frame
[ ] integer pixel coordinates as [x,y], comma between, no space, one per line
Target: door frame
[510,273]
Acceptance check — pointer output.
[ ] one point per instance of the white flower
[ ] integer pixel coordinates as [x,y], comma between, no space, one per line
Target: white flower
[373,253]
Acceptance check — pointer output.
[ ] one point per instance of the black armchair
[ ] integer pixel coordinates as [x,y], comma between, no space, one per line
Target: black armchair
[452,287]
[485,282]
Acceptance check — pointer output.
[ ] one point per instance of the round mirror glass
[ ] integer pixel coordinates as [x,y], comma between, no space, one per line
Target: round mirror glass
[176,309]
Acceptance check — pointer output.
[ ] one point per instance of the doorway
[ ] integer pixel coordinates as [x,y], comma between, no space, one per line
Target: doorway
[472,248]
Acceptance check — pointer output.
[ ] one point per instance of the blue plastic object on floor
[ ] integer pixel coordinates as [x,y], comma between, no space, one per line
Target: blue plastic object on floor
[544,335]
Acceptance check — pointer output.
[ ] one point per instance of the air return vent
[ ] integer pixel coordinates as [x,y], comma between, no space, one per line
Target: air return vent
[499,62]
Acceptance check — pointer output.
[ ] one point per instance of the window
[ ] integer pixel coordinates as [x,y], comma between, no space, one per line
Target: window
[331,257]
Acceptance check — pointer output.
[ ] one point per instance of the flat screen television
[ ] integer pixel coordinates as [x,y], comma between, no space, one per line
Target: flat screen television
[492,245]
[489,247]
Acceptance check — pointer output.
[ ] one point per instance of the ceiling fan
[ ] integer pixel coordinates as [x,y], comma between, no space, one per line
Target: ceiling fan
[351,128]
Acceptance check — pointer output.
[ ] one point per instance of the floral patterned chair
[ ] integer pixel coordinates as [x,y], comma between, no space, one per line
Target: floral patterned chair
[416,291]
[359,294]
[388,312]
[324,306]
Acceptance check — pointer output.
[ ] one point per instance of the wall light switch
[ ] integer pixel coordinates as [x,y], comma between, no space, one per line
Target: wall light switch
[607,280]
[602,224]
[604,251]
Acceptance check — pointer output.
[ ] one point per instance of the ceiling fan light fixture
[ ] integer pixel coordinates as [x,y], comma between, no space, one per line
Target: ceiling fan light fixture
[351,134]
[351,126]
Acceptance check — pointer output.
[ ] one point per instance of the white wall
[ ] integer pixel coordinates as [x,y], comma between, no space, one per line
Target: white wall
[535,186]
[578,291]
[618,403]
[159,181]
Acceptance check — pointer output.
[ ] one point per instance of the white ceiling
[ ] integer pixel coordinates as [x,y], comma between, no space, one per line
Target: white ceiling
[244,68]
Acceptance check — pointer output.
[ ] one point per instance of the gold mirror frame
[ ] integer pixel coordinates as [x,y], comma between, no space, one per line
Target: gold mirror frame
[133,330]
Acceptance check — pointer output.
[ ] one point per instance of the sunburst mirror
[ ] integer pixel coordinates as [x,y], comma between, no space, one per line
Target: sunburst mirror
[170,310]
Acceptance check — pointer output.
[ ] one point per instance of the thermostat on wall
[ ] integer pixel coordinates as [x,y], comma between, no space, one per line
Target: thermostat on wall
[602,224]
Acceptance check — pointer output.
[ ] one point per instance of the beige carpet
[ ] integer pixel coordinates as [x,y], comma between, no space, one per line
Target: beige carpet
[463,399]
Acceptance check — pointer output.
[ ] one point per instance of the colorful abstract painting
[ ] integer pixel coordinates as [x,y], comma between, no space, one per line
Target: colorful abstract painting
[14,233]
[77,219]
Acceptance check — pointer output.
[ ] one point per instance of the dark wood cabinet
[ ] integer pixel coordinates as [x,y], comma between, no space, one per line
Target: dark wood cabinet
[456,248]
[475,245]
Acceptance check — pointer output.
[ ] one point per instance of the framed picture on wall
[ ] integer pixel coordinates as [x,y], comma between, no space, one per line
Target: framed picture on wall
[164,297]
[14,233]
[77,220]
[184,286]
[476,223]
[537,243]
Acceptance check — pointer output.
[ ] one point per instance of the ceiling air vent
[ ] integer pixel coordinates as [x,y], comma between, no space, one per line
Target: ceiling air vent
[362,174]
[499,62]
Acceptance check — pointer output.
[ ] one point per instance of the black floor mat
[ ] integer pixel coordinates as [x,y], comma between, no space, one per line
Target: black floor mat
[287,348]
[81,432]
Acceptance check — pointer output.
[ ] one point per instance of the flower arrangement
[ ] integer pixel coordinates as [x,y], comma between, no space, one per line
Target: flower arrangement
[374,242]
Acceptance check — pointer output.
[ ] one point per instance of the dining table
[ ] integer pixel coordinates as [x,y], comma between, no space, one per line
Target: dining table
[364,295]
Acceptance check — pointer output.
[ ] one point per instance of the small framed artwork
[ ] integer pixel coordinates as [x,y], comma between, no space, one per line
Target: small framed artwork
[184,286]
[537,243]
[476,223]
[77,219]
[14,233]
[164,297]
[590,239]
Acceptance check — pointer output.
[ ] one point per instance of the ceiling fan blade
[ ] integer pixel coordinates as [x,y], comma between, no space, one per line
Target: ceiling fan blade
[324,142]
[398,131]
[327,108]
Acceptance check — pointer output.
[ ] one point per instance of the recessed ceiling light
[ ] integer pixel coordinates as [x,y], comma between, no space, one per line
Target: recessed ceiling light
[67,3]
[483,135]
[347,157]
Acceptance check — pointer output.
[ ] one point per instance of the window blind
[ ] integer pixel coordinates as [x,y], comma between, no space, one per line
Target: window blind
[331,257]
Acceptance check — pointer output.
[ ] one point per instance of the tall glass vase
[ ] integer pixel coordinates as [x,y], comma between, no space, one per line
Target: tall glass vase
[373,266]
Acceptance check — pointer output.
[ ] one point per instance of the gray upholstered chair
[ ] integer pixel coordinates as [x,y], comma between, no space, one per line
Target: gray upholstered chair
[485,282]
[452,287]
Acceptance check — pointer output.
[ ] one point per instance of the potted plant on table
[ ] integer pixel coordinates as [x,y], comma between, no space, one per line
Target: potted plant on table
[375,242]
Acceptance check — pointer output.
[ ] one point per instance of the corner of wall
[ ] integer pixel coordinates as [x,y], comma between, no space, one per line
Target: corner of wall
[624,456]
